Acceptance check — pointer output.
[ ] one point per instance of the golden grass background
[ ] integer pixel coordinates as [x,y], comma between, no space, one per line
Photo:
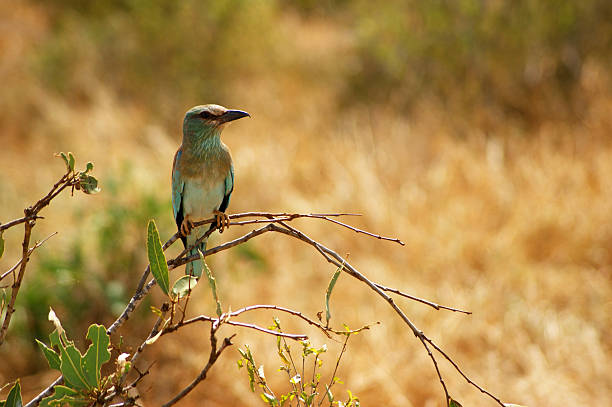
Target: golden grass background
[510,221]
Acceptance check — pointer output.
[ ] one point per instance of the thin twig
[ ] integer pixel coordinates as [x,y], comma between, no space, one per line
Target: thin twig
[337,260]
[325,329]
[45,393]
[435,363]
[17,282]
[4,226]
[277,222]
[470,381]
[154,331]
[421,300]
[216,321]
[212,358]
[333,376]
[36,246]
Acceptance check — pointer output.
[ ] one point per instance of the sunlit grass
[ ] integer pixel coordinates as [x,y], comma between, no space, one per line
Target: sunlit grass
[510,222]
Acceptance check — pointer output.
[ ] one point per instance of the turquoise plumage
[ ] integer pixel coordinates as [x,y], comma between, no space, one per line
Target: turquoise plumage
[202,175]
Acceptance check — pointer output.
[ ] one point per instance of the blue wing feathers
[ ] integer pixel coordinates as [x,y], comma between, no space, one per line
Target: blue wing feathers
[177,193]
[229,187]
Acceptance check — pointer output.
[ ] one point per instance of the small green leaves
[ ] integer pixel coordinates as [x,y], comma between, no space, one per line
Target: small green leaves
[71,161]
[65,158]
[307,388]
[82,373]
[157,259]
[88,184]
[183,286]
[1,244]
[269,398]
[453,403]
[14,397]
[65,395]
[330,287]
[123,366]
[213,286]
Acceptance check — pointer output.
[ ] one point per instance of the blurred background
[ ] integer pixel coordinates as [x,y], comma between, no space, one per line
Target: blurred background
[476,131]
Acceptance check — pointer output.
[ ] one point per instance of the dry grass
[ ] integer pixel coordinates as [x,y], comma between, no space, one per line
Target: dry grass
[514,225]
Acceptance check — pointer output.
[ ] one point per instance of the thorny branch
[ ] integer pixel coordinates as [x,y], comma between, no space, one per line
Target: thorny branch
[69,179]
[212,358]
[278,222]
[36,246]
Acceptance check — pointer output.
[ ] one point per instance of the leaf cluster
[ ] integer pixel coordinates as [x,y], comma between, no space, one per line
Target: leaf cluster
[305,385]
[84,382]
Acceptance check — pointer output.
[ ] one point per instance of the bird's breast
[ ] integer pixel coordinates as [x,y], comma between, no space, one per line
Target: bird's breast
[204,178]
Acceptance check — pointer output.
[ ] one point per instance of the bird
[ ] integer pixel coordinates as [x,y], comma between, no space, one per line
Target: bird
[202,176]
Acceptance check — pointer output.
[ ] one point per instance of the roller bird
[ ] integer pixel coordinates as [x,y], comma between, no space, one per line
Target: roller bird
[202,176]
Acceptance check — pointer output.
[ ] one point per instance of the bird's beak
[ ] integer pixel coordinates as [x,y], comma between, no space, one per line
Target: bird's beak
[232,115]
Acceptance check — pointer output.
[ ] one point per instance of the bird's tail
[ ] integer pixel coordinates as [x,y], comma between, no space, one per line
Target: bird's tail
[196,267]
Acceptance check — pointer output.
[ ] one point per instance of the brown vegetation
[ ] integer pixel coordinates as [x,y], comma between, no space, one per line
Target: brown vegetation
[508,218]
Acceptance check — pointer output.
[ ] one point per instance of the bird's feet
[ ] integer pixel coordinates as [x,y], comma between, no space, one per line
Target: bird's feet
[222,220]
[186,226]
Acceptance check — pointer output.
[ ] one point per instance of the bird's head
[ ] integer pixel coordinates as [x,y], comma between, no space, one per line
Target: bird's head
[208,120]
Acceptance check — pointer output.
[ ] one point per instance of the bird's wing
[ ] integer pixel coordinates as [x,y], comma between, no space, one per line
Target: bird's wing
[177,190]
[229,187]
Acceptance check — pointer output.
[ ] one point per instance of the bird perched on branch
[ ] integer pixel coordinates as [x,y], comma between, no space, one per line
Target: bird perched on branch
[202,175]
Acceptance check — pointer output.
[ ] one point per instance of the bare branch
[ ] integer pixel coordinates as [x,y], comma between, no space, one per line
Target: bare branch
[325,329]
[421,300]
[452,362]
[214,355]
[17,282]
[69,179]
[221,320]
[278,222]
[8,225]
[337,260]
[36,246]
[45,393]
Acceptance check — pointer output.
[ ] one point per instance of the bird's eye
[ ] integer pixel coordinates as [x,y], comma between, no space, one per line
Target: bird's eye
[207,115]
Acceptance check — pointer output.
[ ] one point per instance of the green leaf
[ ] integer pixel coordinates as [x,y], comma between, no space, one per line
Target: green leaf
[55,339]
[72,368]
[251,376]
[1,244]
[97,354]
[159,333]
[89,167]
[65,158]
[89,184]
[213,286]
[51,356]
[71,161]
[14,397]
[157,259]
[330,287]
[453,403]
[3,298]
[156,311]
[268,398]
[183,286]
[65,396]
